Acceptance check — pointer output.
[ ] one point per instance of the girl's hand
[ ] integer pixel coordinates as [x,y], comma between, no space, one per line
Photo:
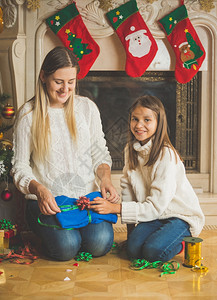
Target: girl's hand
[103,206]
[107,187]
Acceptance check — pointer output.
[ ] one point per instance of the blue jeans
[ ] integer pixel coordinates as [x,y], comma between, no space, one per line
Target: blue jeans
[63,245]
[157,240]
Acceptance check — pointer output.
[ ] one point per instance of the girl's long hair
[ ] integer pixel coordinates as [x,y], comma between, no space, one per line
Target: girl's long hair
[57,58]
[160,139]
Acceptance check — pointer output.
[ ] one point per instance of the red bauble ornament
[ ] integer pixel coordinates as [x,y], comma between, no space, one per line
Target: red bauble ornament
[6,195]
[8,111]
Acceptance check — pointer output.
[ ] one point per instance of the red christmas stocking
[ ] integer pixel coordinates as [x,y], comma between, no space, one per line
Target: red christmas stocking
[68,25]
[185,42]
[135,36]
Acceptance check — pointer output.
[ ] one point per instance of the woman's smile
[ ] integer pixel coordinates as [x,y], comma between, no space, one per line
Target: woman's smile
[60,85]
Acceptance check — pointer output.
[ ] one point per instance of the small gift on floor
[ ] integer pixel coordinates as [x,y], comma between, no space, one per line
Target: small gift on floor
[9,237]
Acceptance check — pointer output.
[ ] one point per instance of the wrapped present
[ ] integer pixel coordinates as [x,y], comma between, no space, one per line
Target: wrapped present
[2,233]
[8,235]
[72,216]
[75,213]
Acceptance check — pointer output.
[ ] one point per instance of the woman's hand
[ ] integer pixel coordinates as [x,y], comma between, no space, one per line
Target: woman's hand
[103,206]
[46,202]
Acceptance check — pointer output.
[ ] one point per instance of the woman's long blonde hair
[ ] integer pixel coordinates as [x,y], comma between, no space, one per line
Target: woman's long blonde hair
[160,139]
[57,58]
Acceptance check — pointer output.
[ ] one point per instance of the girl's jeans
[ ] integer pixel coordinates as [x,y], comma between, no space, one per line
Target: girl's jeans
[58,244]
[157,240]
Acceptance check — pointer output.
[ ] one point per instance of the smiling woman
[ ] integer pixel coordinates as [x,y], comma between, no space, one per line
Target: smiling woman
[60,85]
[60,149]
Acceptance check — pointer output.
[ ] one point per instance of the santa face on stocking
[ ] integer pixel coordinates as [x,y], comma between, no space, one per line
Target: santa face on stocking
[139,42]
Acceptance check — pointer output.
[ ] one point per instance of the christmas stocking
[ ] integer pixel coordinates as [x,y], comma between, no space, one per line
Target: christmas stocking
[135,36]
[68,25]
[185,42]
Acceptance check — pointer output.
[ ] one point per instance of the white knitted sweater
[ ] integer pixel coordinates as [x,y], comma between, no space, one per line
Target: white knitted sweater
[70,168]
[159,192]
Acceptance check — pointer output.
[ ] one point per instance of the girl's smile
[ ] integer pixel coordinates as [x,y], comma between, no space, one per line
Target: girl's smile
[143,123]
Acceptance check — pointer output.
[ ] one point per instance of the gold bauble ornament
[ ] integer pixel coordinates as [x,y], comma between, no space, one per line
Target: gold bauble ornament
[1,20]
[8,111]
[1,135]
[6,144]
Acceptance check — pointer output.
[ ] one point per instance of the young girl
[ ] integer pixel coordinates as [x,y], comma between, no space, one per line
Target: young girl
[156,194]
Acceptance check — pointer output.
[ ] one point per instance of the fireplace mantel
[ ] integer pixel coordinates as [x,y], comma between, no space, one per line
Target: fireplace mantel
[26,39]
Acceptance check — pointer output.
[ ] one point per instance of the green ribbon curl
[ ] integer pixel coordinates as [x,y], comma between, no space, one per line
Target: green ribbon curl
[115,248]
[169,267]
[166,268]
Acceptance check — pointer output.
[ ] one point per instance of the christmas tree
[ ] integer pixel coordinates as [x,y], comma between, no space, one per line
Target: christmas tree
[194,47]
[6,153]
[78,48]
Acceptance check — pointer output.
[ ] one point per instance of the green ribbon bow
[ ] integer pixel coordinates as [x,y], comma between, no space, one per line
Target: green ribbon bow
[83,256]
[4,224]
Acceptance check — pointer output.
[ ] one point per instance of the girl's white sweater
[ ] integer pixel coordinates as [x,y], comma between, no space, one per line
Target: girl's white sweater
[161,191]
[70,168]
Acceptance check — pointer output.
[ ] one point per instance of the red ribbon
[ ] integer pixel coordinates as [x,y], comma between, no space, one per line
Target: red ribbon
[19,258]
[83,203]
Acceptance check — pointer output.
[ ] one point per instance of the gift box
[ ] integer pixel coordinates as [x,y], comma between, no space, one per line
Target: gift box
[73,216]
[8,235]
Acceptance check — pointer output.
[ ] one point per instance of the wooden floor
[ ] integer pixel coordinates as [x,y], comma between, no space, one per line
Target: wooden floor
[110,277]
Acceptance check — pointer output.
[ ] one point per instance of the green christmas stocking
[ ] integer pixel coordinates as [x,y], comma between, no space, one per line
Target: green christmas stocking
[185,42]
[68,25]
